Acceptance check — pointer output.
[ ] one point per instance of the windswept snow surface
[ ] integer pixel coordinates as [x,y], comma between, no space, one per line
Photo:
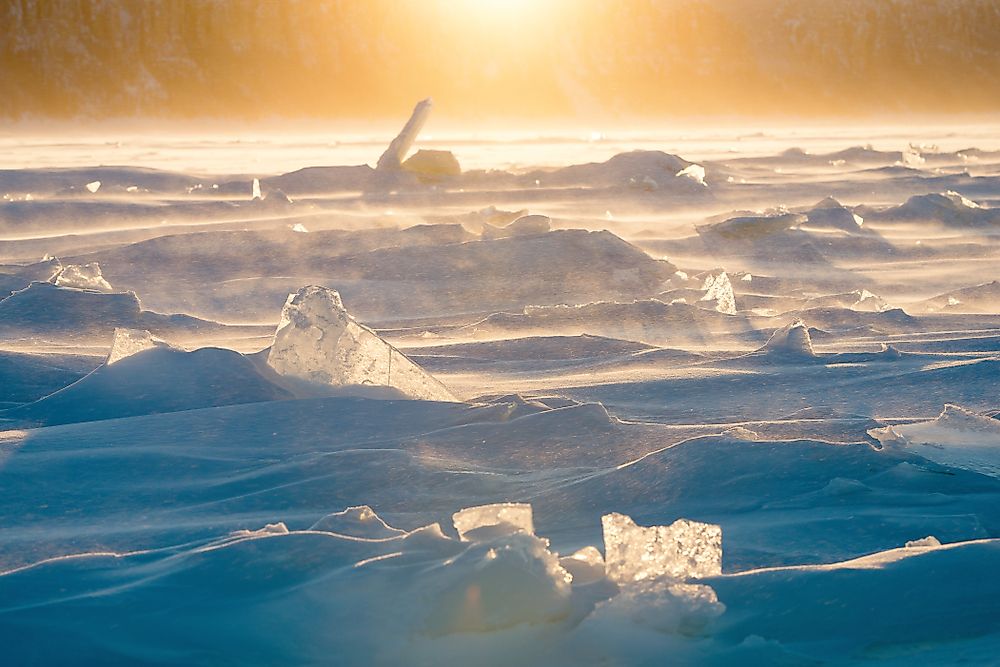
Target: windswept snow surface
[550,401]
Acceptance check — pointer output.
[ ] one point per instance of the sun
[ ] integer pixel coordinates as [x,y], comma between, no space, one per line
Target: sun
[507,13]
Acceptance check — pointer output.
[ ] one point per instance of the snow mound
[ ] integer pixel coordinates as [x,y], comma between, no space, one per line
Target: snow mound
[82,276]
[831,214]
[127,342]
[752,227]
[488,521]
[664,606]
[945,207]
[318,341]
[586,566]
[792,340]
[957,437]
[360,521]
[642,169]
[684,549]
[157,381]
[495,585]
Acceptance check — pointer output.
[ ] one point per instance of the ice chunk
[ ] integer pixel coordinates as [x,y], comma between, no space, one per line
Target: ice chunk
[255,189]
[300,228]
[93,186]
[695,172]
[131,341]
[961,200]
[911,157]
[487,521]
[318,341]
[718,288]
[82,276]
[270,529]
[792,340]
[360,521]
[957,437]
[392,158]
[496,585]
[682,550]
[924,542]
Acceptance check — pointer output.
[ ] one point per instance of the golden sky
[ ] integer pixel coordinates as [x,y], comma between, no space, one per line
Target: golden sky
[495,60]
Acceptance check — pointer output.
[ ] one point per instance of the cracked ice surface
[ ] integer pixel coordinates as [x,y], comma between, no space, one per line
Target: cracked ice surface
[317,340]
[499,518]
[682,550]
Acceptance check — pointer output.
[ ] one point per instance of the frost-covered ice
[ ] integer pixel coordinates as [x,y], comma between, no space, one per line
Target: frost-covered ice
[683,550]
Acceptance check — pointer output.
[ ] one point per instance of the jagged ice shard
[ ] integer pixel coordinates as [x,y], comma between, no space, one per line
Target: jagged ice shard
[318,341]
[127,342]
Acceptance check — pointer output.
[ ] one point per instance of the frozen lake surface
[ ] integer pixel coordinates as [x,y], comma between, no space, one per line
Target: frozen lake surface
[705,397]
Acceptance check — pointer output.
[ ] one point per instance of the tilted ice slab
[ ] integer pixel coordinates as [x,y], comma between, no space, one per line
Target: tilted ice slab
[683,550]
[131,341]
[318,341]
[957,437]
[82,276]
[499,518]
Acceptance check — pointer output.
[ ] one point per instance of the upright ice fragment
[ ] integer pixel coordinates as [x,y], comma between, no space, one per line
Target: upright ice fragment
[499,518]
[719,288]
[318,341]
[792,341]
[392,158]
[682,550]
[131,341]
